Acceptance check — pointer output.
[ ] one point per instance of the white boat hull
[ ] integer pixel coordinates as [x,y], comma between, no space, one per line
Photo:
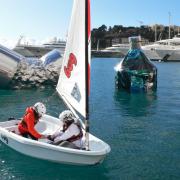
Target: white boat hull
[151,54]
[148,51]
[163,52]
[36,51]
[169,55]
[8,65]
[45,151]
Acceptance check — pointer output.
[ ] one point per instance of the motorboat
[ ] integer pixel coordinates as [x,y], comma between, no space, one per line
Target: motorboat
[39,50]
[123,49]
[73,88]
[167,49]
[164,50]
[56,44]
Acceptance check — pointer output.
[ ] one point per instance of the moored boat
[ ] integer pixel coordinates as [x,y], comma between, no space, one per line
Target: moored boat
[39,50]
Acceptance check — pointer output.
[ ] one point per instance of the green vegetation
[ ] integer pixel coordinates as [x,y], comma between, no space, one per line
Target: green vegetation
[105,37]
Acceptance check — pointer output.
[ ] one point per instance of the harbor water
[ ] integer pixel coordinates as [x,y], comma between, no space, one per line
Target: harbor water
[143,130]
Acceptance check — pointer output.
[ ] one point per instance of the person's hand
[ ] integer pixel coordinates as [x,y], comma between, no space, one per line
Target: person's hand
[43,136]
[50,137]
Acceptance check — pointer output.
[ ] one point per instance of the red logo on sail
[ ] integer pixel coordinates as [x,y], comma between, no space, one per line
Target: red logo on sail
[72,61]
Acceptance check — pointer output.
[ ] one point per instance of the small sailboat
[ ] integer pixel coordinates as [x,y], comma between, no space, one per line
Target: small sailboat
[73,87]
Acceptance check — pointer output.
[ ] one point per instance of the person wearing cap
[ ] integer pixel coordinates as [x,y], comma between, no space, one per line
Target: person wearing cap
[70,135]
[30,119]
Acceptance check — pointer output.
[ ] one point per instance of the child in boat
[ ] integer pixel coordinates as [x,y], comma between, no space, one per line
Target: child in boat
[71,133]
[30,119]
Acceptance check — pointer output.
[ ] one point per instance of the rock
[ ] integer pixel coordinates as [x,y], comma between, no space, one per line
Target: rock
[36,75]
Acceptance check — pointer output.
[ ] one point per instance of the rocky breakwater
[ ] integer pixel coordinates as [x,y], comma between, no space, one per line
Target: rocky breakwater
[37,73]
[28,76]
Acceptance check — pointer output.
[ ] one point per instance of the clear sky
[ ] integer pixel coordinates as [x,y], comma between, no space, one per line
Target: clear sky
[40,19]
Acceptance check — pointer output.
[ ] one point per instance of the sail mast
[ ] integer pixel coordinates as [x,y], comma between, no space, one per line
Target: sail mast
[87,68]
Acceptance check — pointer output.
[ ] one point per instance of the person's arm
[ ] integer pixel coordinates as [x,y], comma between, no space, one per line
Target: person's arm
[30,126]
[72,130]
[58,132]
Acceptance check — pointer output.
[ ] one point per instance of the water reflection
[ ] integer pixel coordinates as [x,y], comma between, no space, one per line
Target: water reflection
[135,104]
[22,167]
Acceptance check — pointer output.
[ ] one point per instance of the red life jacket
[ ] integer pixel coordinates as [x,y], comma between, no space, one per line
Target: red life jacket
[28,123]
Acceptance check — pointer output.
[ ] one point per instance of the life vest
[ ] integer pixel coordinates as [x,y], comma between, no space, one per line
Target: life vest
[76,137]
[28,122]
[23,121]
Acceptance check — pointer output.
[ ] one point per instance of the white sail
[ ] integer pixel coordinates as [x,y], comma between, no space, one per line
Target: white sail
[72,82]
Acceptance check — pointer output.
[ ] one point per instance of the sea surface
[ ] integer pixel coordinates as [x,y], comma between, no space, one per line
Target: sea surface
[143,130]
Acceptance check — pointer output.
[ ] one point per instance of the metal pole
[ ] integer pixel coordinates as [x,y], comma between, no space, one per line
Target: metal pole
[97,45]
[169,25]
[155,33]
[87,24]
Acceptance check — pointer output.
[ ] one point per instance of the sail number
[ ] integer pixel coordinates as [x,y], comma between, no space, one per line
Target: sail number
[69,68]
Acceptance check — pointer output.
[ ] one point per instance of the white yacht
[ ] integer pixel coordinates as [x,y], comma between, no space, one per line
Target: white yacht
[31,50]
[124,48]
[168,49]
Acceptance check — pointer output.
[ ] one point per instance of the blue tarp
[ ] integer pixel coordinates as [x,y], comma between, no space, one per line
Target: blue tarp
[133,54]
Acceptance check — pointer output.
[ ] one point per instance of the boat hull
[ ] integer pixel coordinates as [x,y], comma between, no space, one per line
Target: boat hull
[45,151]
[36,51]
[121,51]
[169,55]
[50,154]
